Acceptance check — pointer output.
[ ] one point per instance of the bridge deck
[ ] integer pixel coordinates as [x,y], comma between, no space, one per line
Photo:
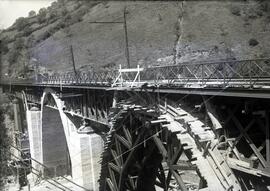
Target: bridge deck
[245,78]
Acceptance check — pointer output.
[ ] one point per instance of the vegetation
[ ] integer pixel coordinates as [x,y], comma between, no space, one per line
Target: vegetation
[21,23]
[32,13]
[15,52]
[27,31]
[42,15]
[236,11]
[4,142]
[3,46]
[253,42]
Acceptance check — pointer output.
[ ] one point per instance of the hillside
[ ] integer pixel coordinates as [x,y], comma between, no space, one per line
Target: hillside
[159,33]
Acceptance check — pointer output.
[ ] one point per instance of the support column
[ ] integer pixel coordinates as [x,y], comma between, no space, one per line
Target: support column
[33,117]
[85,152]
[115,98]
[211,112]
[91,153]
[17,136]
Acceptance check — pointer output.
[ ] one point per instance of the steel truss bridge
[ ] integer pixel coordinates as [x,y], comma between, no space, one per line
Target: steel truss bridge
[192,126]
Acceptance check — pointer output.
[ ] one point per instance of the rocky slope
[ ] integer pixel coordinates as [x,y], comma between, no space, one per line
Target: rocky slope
[167,32]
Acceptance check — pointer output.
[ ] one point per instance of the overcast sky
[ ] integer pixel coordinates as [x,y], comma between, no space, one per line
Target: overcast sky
[10,10]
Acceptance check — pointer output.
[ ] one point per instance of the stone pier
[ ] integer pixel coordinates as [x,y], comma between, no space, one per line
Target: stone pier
[55,142]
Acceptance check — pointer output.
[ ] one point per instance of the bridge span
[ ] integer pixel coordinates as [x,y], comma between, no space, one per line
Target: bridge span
[194,126]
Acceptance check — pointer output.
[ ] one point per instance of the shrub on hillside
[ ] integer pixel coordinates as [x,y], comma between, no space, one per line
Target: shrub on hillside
[21,23]
[52,14]
[264,6]
[42,15]
[16,50]
[30,41]
[236,11]
[27,30]
[19,44]
[44,36]
[13,56]
[61,25]
[32,13]
[19,35]
[61,2]
[78,16]
[64,12]
[3,46]
[67,19]
[253,42]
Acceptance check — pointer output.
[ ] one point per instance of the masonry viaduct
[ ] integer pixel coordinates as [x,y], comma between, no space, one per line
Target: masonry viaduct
[144,129]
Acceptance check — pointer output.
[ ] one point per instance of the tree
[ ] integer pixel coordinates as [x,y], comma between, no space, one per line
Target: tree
[16,50]
[64,11]
[4,142]
[52,14]
[42,15]
[32,13]
[18,44]
[12,56]
[30,41]
[27,30]
[42,11]
[21,23]
[3,46]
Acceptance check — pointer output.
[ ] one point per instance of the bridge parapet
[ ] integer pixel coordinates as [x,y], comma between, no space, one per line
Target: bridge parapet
[244,73]
[221,74]
[95,77]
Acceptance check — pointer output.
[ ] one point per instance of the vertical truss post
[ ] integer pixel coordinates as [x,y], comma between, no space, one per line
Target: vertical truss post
[121,76]
[202,74]
[137,76]
[249,73]
[224,78]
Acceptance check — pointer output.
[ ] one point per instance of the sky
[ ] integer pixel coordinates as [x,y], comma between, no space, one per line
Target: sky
[10,10]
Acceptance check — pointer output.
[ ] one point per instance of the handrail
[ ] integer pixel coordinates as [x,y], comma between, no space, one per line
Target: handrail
[179,74]
[210,62]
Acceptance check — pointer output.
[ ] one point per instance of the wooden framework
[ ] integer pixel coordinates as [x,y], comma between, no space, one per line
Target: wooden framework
[144,156]
[244,141]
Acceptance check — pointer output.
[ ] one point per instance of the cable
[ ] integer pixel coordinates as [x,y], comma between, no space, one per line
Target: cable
[26,165]
[48,168]
[162,128]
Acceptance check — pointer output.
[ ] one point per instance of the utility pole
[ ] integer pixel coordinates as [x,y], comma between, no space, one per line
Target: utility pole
[125,33]
[73,60]
[126,38]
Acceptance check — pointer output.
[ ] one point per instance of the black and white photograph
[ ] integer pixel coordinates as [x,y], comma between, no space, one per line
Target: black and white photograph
[134,95]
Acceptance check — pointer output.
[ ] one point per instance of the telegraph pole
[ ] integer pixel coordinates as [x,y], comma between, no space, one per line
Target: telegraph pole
[126,38]
[125,33]
[73,60]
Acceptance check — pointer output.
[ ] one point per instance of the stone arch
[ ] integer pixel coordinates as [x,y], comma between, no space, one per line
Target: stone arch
[55,151]
[84,168]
